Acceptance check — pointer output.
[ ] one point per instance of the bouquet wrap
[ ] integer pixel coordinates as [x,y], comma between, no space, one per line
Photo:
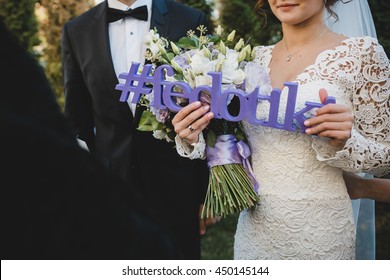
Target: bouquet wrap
[232,185]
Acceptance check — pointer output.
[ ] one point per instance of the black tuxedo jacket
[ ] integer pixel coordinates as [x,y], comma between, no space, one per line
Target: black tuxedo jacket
[172,186]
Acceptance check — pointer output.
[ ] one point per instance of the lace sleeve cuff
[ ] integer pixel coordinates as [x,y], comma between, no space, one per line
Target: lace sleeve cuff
[194,151]
[359,154]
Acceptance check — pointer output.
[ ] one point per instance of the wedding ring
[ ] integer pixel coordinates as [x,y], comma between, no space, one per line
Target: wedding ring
[191,129]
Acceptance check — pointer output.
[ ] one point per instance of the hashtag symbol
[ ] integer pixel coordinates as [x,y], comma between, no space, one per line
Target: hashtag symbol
[135,83]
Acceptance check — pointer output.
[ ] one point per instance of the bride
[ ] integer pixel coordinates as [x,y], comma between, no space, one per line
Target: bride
[304,210]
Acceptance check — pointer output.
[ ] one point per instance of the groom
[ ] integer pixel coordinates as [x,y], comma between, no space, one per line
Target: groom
[96,47]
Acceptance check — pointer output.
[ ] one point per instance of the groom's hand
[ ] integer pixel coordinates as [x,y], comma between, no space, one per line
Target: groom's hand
[204,223]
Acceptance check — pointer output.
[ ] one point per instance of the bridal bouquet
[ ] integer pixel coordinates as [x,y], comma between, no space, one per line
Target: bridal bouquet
[232,186]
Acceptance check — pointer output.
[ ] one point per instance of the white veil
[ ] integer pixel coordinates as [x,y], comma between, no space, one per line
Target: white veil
[355,19]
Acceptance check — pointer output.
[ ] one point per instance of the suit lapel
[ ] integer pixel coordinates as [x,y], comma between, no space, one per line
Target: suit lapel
[102,45]
[159,18]
[160,21]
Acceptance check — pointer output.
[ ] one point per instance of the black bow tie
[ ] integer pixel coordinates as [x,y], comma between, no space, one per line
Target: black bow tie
[140,13]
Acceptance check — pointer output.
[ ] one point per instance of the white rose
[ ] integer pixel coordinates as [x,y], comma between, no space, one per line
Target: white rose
[154,49]
[230,71]
[202,80]
[211,67]
[149,37]
[198,63]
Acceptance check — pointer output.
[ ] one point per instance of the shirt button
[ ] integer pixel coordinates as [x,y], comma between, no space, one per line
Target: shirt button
[131,33]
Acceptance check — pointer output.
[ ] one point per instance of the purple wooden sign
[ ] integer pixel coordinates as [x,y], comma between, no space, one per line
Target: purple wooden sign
[164,97]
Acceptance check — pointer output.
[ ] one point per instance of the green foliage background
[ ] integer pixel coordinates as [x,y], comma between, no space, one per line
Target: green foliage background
[380,12]
[57,13]
[19,17]
[255,28]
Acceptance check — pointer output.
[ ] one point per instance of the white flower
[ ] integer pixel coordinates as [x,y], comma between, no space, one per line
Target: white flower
[244,53]
[154,49]
[155,46]
[175,48]
[222,47]
[198,63]
[231,36]
[203,80]
[152,36]
[256,76]
[170,78]
[189,77]
[219,30]
[239,44]
[219,62]
[177,67]
[230,71]
[206,52]
[161,135]
[161,48]
[211,67]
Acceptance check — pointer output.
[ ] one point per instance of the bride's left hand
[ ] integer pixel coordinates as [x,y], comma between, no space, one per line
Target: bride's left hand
[334,121]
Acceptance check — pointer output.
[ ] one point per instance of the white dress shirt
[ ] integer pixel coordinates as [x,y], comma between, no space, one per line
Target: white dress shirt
[127,40]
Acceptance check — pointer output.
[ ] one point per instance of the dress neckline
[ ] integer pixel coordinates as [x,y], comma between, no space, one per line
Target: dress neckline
[342,43]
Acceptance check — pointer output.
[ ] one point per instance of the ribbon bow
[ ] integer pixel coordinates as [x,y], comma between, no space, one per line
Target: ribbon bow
[140,13]
[245,152]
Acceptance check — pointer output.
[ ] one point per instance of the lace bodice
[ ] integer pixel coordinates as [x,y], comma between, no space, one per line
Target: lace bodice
[357,74]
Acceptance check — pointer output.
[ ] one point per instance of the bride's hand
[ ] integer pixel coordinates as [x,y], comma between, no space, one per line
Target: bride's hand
[334,121]
[191,120]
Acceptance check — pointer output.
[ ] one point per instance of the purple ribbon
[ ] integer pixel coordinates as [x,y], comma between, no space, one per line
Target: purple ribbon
[227,150]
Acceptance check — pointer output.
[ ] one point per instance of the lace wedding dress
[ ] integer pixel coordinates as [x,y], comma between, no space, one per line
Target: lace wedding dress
[305,211]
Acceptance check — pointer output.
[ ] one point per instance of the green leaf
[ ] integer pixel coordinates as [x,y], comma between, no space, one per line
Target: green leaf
[179,77]
[240,135]
[157,125]
[187,43]
[215,39]
[165,58]
[210,138]
[145,123]
[148,122]
[170,55]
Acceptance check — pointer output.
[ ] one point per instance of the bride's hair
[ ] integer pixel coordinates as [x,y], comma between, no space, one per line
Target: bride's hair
[328,5]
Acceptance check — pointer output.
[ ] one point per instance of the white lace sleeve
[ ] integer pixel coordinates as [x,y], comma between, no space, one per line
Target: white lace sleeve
[194,151]
[368,149]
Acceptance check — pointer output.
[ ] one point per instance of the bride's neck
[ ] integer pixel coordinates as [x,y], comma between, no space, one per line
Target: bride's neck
[300,35]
